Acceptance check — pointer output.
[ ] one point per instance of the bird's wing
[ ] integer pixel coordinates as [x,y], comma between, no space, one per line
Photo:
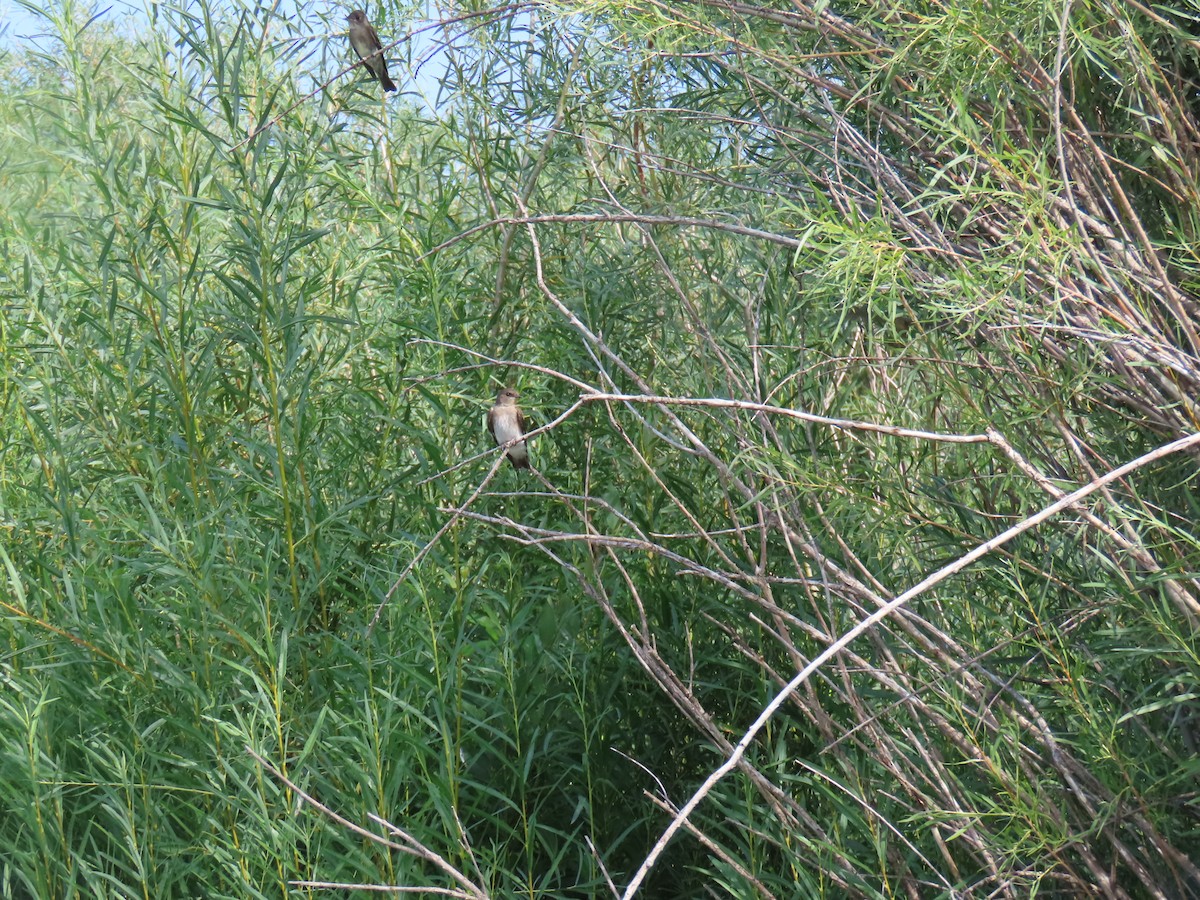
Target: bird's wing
[491,423]
[375,37]
[522,422]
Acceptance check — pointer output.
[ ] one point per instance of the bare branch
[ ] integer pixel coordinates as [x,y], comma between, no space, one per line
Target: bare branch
[925,584]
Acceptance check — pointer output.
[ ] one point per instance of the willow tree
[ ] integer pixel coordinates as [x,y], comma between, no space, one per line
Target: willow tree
[862,345]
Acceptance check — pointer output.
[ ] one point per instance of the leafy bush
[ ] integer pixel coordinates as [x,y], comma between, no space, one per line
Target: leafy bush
[811,302]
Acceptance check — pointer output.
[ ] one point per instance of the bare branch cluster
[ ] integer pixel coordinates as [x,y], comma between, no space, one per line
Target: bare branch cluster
[1018,193]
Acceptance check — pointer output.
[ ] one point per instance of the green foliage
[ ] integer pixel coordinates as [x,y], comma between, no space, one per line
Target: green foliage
[250,320]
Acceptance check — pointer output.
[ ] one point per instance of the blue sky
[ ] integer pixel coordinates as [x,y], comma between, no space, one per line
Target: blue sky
[20,27]
[16,21]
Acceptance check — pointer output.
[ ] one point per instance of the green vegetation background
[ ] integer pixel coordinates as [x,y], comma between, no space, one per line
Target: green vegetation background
[251,317]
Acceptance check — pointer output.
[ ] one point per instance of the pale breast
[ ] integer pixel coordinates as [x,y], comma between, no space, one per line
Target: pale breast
[505,427]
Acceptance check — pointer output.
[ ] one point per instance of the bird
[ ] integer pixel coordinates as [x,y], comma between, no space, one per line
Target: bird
[505,422]
[365,42]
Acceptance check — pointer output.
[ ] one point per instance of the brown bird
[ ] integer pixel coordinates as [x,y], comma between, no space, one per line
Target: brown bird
[367,45]
[505,422]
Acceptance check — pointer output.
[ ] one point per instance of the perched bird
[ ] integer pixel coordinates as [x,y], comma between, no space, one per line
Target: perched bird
[505,422]
[366,44]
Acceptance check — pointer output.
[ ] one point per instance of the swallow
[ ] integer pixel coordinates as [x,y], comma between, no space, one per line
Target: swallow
[367,45]
[505,422]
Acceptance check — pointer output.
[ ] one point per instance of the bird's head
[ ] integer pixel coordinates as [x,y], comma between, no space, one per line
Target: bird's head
[356,17]
[507,397]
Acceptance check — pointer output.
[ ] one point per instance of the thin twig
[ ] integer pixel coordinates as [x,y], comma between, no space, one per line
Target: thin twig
[410,846]
[845,424]
[615,218]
